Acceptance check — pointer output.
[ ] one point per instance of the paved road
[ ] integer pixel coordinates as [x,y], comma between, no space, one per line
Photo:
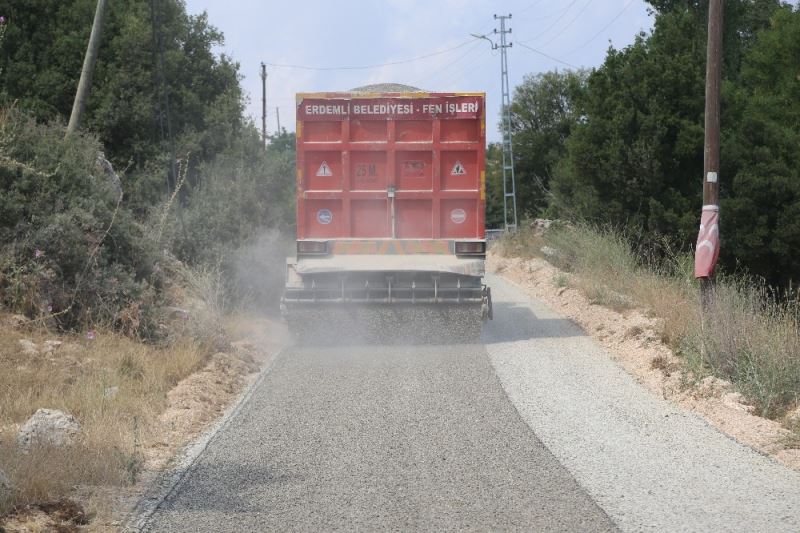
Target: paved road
[535,429]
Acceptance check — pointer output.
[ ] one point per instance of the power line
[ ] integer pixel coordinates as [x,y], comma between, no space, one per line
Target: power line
[477,63]
[547,56]
[452,64]
[552,14]
[524,9]
[366,67]
[570,23]
[551,26]
[604,28]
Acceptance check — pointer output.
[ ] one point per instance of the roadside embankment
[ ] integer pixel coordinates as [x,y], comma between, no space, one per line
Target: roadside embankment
[737,364]
[129,408]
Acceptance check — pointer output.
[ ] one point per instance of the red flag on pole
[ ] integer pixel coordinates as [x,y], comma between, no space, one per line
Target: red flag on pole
[707,250]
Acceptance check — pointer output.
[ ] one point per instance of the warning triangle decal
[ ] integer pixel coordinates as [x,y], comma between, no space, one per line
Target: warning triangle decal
[324,170]
[458,169]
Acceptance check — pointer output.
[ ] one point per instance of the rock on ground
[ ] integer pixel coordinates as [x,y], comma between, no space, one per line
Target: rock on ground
[28,347]
[48,426]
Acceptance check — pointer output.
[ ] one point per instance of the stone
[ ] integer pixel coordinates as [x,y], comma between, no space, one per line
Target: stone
[548,251]
[28,347]
[51,346]
[110,392]
[736,401]
[48,427]
[541,225]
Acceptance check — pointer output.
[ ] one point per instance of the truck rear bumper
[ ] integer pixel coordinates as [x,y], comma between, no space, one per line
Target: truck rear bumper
[436,263]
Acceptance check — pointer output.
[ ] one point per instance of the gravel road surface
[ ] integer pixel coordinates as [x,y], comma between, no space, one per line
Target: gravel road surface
[535,429]
[649,464]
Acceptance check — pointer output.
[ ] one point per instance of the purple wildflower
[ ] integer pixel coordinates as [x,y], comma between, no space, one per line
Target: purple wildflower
[185,315]
[90,335]
[38,253]
[2,19]
[49,308]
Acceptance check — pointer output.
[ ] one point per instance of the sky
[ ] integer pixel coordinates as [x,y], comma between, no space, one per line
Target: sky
[428,41]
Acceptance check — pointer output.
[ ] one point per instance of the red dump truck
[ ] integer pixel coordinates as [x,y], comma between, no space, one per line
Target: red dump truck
[390,216]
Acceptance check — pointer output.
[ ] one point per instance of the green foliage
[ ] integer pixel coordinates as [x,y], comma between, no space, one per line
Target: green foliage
[69,253]
[494,186]
[624,145]
[543,114]
[236,218]
[244,192]
[635,158]
[762,207]
[162,103]
[156,75]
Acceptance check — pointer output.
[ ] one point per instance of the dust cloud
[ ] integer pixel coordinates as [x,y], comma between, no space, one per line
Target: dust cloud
[259,271]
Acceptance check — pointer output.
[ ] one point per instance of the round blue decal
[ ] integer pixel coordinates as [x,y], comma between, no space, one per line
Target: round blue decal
[324,216]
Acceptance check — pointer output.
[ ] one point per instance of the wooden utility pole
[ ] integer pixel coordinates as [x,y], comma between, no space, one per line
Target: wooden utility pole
[713,82]
[89,61]
[278,116]
[708,239]
[264,104]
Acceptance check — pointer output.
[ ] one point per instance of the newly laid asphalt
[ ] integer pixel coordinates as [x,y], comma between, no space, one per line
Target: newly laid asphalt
[533,429]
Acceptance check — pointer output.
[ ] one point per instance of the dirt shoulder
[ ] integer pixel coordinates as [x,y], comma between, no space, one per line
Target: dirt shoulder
[198,401]
[190,407]
[632,339]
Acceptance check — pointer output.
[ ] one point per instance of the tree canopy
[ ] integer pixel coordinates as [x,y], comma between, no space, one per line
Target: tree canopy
[158,87]
[623,144]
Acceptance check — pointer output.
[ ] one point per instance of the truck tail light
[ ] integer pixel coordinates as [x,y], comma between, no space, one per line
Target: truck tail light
[470,248]
[312,247]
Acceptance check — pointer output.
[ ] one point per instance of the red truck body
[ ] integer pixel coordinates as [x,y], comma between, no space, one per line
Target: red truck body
[390,213]
[357,150]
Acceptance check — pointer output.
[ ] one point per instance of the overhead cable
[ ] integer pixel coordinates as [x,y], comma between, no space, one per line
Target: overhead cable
[551,26]
[547,55]
[570,23]
[366,67]
[604,28]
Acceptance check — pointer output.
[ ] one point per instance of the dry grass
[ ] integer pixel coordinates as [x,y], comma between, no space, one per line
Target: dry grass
[755,338]
[115,386]
[79,378]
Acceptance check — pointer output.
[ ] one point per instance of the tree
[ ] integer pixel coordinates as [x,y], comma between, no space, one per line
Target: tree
[636,157]
[494,186]
[762,207]
[543,114]
[41,60]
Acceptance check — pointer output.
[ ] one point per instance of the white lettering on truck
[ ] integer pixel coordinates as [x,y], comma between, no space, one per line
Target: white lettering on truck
[388,108]
[329,109]
[462,107]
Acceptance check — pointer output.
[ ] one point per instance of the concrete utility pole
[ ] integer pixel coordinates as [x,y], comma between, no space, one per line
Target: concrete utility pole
[708,241]
[278,116]
[264,104]
[89,61]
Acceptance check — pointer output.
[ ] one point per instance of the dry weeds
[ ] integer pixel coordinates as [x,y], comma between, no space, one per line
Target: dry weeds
[114,386]
[137,405]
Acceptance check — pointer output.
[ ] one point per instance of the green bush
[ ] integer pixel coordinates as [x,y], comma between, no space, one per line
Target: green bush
[71,252]
[238,219]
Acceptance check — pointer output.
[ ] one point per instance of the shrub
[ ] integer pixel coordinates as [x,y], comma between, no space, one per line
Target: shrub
[71,252]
